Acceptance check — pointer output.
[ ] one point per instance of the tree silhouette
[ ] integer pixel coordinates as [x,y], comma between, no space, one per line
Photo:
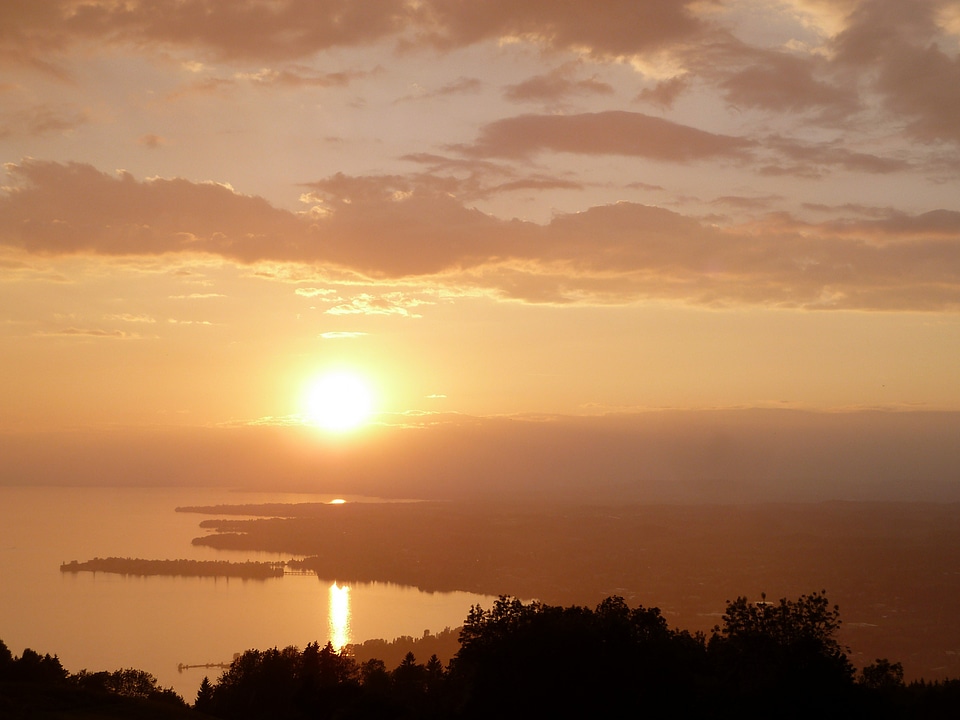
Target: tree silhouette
[519,660]
[786,651]
[203,703]
[34,667]
[882,675]
[328,679]
[6,659]
[435,673]
[375,677]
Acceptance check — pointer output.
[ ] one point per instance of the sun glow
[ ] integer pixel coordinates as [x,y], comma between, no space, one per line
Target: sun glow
[338,401]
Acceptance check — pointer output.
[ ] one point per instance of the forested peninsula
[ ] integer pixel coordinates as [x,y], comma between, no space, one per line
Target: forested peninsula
[183,568]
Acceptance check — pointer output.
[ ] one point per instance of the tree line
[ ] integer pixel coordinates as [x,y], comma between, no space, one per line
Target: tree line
[38,686]
[526,660]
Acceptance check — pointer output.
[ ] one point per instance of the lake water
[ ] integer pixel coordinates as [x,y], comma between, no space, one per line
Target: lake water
[106,622]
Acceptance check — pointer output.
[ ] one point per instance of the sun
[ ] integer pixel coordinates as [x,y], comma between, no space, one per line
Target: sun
[338,401]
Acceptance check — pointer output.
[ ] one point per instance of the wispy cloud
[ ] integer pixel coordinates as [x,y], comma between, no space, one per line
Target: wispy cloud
[40,120]
[553,87]
[614,132]
[298,76]
[152,141]
[96,333]
[197,296]
[665,92]
[310,292]
[394,303]
[128,317]
[341,335]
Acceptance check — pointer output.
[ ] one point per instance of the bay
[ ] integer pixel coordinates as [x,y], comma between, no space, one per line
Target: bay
[101,621]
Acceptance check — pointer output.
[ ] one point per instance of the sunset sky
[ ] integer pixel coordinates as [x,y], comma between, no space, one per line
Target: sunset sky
[542,210]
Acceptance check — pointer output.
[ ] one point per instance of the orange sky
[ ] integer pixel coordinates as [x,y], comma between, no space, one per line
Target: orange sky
[484,208]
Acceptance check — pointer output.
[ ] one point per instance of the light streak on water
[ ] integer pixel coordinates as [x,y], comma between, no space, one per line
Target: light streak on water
[339,616]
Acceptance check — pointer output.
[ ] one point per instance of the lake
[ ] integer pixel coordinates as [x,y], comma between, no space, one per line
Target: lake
[102,621]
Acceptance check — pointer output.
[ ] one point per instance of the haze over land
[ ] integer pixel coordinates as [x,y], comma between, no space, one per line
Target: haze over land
[673,456]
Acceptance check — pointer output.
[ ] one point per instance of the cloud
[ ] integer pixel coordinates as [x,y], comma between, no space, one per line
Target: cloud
[128,317]
[747,203]
[850,208]
[899,52]
[613,132]
[895,46]
[869,63]
[310,292]
[484,179]
[787,83]
[292,29]
[394,303]
[151,141]
[534,182]
[42,120]
[388,226]
[56,208]
[816,159]
[460,86]
[473,166]
[644,186]
[256,29]
[391,227]
[936,224]
[208,86]
[298,76]
[556,85]
[197,296]
[7,264]
[601,28]
[665,92]
[341,335]
[91,333]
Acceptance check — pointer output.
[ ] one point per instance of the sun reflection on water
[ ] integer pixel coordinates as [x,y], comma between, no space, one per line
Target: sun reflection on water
[339,616]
